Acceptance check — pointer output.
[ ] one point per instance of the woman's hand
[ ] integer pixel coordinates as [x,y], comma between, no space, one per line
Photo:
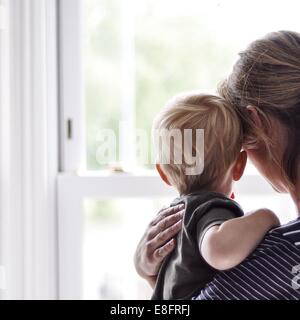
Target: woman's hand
[157,242]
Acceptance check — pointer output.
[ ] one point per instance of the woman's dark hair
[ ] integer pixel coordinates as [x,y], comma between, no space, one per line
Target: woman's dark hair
[267,76]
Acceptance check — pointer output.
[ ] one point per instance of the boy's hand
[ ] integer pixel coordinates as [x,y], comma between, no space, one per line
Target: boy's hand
[269,216]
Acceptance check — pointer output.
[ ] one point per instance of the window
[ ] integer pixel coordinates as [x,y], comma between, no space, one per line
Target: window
[131,69]
[108,270]
[136,55]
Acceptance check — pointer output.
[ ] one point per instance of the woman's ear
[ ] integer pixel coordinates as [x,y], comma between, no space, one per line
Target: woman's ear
[162,174]
[239,166]
[254,115]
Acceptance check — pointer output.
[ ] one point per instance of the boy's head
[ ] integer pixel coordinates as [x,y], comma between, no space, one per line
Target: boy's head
[221,158]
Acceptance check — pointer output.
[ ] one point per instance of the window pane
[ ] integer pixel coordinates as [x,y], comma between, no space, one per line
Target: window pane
[140,53]
[137,55]
[112,231]
[102,49]
[281,204]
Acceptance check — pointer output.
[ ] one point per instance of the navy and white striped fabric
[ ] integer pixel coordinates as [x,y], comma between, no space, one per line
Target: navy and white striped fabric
[271,272]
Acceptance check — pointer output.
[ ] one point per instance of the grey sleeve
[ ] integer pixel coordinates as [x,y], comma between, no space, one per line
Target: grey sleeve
[213,217]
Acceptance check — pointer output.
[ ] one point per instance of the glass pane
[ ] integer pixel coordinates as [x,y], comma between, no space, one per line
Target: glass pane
[140,53]
[102,49]
[112,231]
[281,204]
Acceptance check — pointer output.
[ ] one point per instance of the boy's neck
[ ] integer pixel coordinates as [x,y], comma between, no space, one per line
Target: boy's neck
[215,190]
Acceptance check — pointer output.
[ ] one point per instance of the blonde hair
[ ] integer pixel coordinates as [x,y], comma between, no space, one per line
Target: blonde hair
[267,76]
[222,139]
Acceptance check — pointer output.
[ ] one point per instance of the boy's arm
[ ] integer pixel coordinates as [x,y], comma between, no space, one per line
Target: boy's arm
[227,245]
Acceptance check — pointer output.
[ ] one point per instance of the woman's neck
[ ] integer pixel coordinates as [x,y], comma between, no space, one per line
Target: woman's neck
[296,197]
[297,207]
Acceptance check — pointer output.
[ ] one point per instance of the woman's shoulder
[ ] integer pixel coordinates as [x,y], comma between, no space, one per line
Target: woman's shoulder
[289,231]
[294,224]
[268,273]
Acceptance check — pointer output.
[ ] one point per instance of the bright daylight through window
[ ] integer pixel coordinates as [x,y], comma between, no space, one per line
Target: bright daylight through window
[138,54]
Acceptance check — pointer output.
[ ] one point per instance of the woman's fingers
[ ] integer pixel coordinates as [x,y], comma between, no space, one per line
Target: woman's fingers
[167,234]
[165,212]
[162,226]
[162,252]
[164,238]
[158,241]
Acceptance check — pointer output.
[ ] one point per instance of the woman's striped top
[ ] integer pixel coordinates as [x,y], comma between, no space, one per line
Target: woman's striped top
[271,272]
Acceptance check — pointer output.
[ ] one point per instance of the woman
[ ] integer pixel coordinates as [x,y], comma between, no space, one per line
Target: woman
[264,89]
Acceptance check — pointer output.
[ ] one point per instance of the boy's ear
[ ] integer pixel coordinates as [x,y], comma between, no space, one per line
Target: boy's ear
[239,166]
[162,174]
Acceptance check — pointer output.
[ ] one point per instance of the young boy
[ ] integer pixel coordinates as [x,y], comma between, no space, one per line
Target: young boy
[215,235]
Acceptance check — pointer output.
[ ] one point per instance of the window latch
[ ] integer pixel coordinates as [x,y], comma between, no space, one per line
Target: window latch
[69,129]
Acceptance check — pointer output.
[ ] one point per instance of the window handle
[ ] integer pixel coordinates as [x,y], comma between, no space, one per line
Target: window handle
[69,129]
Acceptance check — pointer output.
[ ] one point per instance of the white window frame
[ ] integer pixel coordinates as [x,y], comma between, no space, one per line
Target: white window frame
[74,187]
[41,196]
[29,149]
